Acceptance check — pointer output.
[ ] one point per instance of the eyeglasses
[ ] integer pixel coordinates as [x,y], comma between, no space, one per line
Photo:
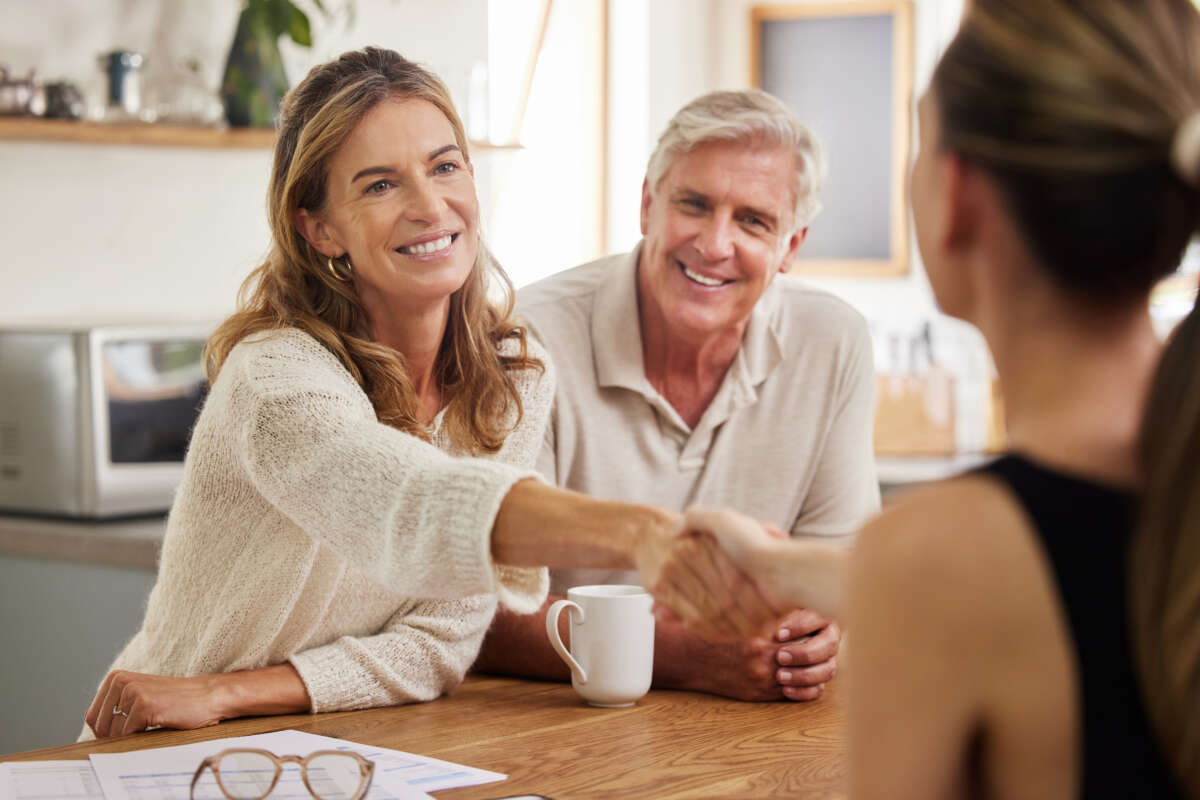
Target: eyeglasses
[251,774]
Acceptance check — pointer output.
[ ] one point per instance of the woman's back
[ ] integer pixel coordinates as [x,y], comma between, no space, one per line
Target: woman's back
[1083,528]
[990,655]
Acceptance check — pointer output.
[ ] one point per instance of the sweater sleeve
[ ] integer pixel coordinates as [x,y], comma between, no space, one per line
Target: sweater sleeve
[423,652]
[521,589]
[425,649]
[394,507]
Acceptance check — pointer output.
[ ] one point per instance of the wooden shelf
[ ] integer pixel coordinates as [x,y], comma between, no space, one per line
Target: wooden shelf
[33,129]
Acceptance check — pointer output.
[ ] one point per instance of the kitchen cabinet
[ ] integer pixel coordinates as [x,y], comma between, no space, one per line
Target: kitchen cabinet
[71,595]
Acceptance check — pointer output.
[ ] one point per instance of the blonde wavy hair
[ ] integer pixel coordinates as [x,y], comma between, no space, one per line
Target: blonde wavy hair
[294,287]
[1074,107]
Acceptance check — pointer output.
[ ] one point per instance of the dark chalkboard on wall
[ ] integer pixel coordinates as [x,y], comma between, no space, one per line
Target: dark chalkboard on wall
[846,70]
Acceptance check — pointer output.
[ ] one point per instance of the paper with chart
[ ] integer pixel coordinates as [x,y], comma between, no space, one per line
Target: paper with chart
[49,780]
[166,773]
[420,772]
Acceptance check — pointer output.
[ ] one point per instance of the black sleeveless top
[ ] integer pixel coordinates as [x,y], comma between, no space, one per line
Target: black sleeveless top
[1084,528]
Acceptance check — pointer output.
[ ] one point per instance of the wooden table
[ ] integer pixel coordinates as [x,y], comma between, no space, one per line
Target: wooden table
[670,745]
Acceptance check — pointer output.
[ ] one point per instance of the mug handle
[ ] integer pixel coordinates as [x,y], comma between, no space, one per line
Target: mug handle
[556,641]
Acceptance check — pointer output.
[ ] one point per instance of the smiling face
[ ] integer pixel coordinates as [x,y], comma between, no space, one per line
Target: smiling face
[401,204]
[717,229]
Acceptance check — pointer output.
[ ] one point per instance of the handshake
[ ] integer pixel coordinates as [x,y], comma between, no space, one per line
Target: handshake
[726,576]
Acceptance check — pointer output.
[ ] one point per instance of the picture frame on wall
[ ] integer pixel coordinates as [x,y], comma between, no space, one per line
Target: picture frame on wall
[846,70]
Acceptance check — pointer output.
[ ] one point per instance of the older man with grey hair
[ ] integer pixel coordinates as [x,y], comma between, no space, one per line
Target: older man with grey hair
[692,372]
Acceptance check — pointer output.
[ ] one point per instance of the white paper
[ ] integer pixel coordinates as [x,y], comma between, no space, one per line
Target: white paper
[165,773]
[49,780]
[420,772]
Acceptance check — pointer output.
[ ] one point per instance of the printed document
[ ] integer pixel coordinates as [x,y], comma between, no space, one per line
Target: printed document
[49,780]
[165,773]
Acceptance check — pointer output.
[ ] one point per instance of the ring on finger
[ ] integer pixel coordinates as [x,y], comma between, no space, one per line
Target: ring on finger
[117,712]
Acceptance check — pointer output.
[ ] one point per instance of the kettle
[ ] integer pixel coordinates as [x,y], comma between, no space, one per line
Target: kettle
[16,95]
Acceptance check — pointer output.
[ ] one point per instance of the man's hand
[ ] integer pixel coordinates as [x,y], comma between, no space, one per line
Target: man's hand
[807,654]
[793,665]
[148,701]
[743,670]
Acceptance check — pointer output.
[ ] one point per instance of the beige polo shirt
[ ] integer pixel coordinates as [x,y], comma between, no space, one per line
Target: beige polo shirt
[787,438]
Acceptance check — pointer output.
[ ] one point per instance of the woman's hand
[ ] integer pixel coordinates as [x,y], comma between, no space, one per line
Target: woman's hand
[694,581]
[156,701]
[149,701]
[747,541]
[789,574]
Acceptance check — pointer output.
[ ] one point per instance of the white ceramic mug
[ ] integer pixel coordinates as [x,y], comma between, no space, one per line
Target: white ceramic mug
[612,642]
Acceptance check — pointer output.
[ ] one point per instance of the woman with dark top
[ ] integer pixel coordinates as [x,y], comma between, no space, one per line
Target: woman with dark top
[1032,630]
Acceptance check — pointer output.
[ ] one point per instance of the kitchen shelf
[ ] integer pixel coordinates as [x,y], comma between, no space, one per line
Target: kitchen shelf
[32,129]
[57,130]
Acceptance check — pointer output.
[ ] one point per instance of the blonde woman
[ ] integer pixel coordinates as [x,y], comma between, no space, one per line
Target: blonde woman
[361,467]
[1032,630]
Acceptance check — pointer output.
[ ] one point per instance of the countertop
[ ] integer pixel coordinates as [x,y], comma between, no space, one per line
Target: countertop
[895,471]
[121,543]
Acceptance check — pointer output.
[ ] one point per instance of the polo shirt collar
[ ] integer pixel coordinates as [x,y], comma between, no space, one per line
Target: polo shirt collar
[617,338]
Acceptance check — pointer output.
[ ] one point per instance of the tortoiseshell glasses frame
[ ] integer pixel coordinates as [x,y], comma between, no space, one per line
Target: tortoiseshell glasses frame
[366,770]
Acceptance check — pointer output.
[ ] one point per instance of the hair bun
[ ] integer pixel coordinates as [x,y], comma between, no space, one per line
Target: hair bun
[1185,149]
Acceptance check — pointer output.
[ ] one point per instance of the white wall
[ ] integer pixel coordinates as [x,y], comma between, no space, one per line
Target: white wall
[630,134]
[103,231]
[545,201]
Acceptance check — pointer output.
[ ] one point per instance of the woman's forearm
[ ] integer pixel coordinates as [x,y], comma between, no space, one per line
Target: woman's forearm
[261,692]
[541,525]
[802,574]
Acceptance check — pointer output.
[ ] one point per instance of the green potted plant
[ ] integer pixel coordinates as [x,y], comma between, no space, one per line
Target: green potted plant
[255,81]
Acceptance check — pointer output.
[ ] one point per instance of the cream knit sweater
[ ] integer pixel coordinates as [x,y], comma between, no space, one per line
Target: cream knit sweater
[306,531]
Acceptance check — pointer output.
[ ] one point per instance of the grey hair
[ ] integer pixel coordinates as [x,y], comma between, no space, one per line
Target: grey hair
[751,116]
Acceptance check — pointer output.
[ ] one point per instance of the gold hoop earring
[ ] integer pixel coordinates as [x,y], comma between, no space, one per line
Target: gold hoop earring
[337,275]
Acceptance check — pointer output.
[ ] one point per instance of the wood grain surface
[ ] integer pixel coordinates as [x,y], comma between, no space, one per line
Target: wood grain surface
[669,745]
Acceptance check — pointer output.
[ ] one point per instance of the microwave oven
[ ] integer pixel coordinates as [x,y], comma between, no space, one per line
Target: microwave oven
[95,421]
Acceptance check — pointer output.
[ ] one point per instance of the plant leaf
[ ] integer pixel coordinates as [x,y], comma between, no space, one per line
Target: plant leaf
[281,16]
[298,27]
